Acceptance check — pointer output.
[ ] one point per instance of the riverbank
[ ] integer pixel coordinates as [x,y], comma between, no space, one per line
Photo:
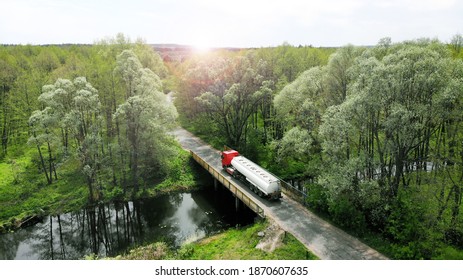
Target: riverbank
[25,197]
[249,243]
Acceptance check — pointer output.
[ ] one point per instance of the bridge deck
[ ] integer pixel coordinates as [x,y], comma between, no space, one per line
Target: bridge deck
[229,184]
[323,239]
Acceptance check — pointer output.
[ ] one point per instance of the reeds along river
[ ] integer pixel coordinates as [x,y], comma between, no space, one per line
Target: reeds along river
[111,229]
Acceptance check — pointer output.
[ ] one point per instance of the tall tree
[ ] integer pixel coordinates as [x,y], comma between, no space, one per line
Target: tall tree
[43,123]
[300,103]
[338,77]
[146,113]
[234,98]
[456,45]
[8,75]
[72,111]
[397,98]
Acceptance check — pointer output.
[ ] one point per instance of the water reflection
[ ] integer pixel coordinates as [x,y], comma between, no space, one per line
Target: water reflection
[108,230]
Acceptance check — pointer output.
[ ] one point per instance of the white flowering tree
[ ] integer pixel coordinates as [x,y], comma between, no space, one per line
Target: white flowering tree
[145,115]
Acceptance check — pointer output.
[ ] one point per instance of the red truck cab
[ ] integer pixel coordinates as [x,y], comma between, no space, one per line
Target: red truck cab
[227,157]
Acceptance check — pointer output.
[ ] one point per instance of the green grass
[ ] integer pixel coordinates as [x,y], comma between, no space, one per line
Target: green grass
[24,191]
[233,244]
[236,244]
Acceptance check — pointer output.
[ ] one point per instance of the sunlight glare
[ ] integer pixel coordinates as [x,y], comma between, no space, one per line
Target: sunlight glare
[201,45]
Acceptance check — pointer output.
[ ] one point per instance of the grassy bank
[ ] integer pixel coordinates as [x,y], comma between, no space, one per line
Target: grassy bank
[25,193]
[233,244]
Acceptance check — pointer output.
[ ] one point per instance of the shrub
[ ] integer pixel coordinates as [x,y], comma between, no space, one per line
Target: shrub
[346,215]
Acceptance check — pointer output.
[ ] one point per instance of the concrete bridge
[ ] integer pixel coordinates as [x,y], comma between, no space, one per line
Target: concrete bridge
[323,239]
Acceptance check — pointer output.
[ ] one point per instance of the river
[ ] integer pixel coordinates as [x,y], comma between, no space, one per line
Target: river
[114,228]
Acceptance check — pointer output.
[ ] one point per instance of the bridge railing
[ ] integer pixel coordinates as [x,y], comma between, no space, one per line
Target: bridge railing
[229,185]
[295,193]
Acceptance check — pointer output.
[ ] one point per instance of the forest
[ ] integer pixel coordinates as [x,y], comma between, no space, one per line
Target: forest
[371,134]
[83,125]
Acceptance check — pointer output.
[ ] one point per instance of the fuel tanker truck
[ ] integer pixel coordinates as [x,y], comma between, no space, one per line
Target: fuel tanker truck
[255,177]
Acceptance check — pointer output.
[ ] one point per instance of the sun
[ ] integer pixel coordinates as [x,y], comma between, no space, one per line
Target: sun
[201,48]
[201,45]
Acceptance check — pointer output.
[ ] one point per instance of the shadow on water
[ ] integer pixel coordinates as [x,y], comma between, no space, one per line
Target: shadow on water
[111,229]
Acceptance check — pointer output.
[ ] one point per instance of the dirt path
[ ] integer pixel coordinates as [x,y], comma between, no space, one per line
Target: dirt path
[323,239]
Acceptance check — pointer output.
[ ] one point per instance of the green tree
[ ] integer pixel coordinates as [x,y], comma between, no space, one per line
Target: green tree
[402,105]
[299,106]
[72,111]
[149,59]
[146,115]
[232,100]
[299,103]
[338,78]
[85,125]
[456,45]
[396,99]
[47,60]
[42,123]
[8,75]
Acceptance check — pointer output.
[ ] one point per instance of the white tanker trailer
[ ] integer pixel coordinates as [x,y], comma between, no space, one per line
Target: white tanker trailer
[258,179]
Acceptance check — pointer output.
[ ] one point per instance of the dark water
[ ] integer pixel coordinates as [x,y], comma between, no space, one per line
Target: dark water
[111,229]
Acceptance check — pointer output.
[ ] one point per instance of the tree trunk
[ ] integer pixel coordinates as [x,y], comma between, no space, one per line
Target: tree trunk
[399,164]
[61,239]
[50,163]
[51,239]
[456,205]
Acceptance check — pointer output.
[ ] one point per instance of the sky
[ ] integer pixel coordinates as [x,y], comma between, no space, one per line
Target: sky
[232,23]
